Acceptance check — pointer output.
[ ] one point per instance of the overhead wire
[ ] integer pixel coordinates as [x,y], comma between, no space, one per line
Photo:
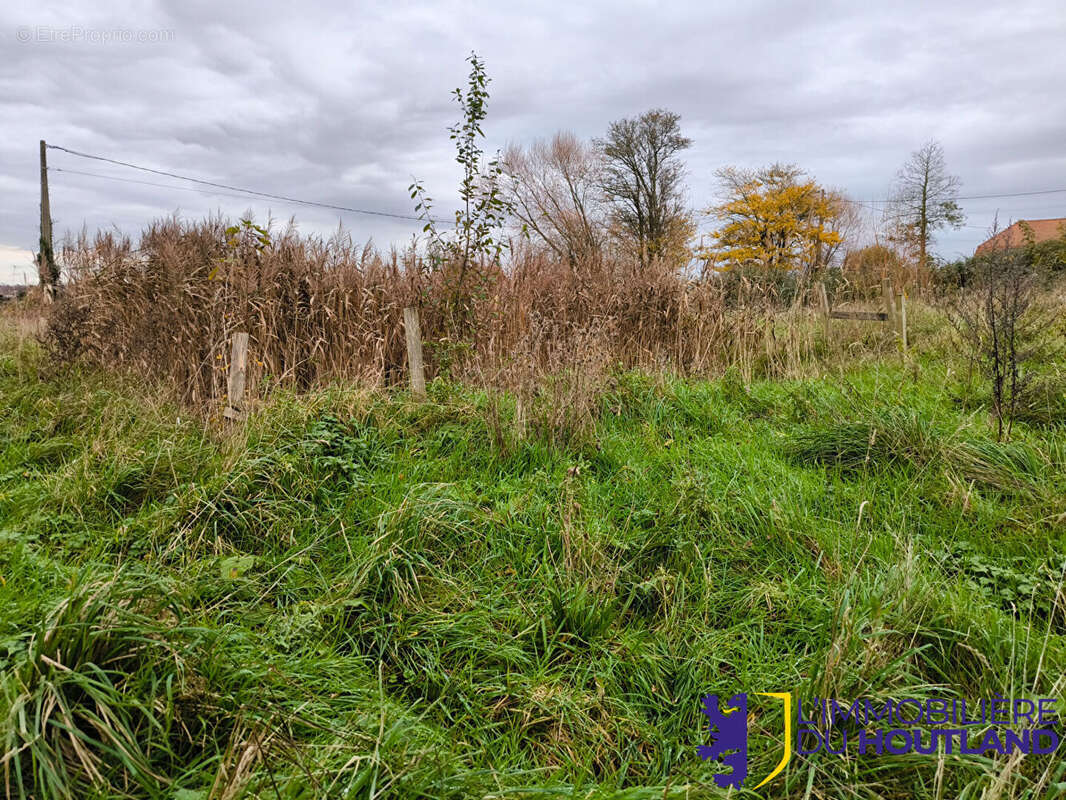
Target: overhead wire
[232,188]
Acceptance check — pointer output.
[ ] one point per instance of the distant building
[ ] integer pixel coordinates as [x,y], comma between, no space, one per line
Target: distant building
[11,292]
[1014,236]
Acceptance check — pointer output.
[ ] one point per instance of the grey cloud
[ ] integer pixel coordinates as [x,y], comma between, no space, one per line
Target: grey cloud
[344,103]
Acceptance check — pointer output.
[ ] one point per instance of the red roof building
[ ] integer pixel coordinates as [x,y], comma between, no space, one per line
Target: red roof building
[1014,236]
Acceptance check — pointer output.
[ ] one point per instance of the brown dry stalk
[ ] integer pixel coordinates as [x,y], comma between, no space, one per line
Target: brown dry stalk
[319,310]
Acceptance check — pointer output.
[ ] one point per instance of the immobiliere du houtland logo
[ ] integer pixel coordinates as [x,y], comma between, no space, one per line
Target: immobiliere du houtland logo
[897,726]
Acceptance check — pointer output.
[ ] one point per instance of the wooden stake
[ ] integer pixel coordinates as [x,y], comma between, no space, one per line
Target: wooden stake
[46,262]
[903,318]
[413,332]
[238,373]
[823,298]
[889,299]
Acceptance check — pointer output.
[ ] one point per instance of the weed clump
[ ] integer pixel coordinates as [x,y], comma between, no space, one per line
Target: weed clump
[106,695]
[901,438]
[894,438]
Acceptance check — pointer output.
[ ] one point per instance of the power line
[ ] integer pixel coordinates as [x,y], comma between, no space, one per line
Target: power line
[147,183]
[868,204]
[973,196]
[230,188]
[1015,194]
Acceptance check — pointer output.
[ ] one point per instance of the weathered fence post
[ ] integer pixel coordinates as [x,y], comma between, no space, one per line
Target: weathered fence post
[823,299]
[238,373]
[903,318]
[889,298]
[413,332]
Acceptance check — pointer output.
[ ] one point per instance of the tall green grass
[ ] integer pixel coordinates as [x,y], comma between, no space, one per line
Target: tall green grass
[357,595]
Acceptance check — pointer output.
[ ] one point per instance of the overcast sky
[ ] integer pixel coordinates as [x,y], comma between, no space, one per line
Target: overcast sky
[346,102]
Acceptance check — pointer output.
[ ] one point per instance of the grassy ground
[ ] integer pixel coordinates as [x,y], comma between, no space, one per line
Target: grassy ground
[357,595]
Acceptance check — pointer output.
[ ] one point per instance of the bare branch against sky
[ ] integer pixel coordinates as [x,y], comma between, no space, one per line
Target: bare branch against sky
[344,104]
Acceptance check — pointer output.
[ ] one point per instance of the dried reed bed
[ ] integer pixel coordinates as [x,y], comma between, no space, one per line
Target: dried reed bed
[319,310]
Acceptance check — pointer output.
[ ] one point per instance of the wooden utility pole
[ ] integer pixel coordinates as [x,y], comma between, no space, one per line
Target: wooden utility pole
[413,332]
[818,240]
[46,262]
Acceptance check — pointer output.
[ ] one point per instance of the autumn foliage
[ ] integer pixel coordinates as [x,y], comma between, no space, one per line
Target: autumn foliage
[774,218]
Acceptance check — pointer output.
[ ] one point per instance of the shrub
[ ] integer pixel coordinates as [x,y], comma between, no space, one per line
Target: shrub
[1003,329]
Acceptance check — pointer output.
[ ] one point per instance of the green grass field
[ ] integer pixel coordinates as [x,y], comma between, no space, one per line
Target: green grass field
[358,595]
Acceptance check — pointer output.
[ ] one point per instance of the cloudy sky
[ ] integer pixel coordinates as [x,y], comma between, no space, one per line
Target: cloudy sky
[345,102]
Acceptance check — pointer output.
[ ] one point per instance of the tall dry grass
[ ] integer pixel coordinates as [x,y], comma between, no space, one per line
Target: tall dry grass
[324,309]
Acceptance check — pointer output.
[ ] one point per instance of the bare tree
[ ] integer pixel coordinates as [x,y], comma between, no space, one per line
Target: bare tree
[643,177]
[924,200]
[1004,328]
[555,191]
[847,220]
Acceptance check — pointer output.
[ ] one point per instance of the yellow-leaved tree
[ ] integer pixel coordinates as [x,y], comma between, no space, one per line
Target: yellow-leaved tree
[775,218]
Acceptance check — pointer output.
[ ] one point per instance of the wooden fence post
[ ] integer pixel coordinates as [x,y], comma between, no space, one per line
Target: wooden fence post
[889,299]
[823,298]
[413,332]
[238,373]
[903,318]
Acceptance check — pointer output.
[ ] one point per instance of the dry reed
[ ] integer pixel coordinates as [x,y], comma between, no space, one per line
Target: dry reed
[319,310]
